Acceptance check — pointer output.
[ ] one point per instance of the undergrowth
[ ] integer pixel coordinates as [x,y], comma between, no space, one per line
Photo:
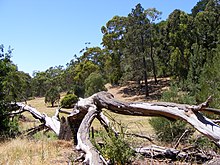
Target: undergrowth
[114,148]
[169,131]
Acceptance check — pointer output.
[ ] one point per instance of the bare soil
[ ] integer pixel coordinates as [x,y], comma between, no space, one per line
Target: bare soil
[136,92]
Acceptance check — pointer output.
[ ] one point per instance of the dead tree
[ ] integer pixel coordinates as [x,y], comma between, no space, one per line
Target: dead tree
[87,109]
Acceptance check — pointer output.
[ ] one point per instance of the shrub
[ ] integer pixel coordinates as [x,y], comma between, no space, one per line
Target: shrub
[8,125]
[69,100]
[167,130]
[115,148]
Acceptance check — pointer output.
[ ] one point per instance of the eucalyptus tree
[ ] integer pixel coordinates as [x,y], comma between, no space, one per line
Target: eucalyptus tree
[87,64]
[113,41]
[206,30]
[55,77]
[179,37]
[162,50]
[207,25]
[17,85]
[153,15]
[8,127]
[40,83]
[52,96]
[96,56]
[136,45]
[200,6]
[69,74]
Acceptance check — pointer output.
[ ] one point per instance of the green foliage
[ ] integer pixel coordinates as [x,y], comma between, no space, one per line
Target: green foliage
[43,81]
[134,63]
[113,40]
[94,83]
[17,86]
[8,126]
[79,90]
[115,148]
[209,81]
[205,144]
[166,130]
[83,70]
[52,96]
[69,101]
[200,6]
[176,95]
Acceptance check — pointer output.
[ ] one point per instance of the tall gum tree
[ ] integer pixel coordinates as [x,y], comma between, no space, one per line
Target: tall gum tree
[136,37]
[113,41]
[153,15]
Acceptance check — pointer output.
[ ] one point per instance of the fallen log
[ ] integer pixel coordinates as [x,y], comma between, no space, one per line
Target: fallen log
[87,109]
[158,152]
[189,113]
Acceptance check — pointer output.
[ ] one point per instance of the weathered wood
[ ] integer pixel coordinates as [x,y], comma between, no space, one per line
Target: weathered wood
[32,131]
[140,136]
[154,151]
[92,155]
[178,141]
[65,130]
[51,122]
[171,110]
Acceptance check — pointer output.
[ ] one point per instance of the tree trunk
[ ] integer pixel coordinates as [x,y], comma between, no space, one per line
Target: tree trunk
[153,63]
[145,68]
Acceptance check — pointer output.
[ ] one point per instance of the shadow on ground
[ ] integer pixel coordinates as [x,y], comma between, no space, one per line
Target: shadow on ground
[137,91]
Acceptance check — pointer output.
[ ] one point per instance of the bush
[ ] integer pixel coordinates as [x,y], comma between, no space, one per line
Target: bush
[115,148]
[8,125]
[69,100]
[166,130]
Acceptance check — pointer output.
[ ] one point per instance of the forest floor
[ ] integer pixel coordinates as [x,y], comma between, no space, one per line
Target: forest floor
[46,149]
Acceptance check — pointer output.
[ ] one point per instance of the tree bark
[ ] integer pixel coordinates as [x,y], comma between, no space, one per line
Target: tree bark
[153,62]
[145,67]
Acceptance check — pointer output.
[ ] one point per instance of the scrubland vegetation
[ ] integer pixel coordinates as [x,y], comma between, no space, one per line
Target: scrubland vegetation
[175,60]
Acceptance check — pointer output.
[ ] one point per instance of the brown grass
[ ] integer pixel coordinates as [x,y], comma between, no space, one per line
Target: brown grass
[36,152]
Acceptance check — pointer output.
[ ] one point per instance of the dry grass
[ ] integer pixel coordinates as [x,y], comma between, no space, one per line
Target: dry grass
[36,152]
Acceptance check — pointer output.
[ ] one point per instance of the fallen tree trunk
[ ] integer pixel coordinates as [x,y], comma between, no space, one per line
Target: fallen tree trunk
[87,109]
[154,151]
[189,113]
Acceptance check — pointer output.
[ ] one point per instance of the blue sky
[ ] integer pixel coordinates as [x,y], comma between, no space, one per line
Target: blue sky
[45,33]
